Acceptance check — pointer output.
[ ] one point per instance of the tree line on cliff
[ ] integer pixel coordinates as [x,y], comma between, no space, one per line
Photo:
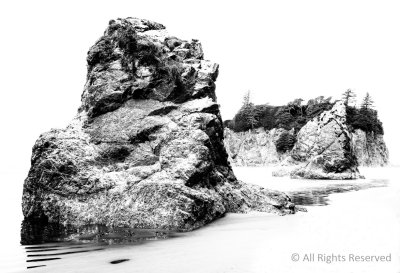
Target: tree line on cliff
[295,114]
[364,117]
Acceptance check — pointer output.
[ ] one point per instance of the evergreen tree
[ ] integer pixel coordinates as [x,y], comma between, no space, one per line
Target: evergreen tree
[367,103]
[367,118]
[249,111]
[348,97]
[246,99]
[296,114]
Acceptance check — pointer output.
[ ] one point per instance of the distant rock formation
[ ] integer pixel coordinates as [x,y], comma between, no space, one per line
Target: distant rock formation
[146,147]
[257,147]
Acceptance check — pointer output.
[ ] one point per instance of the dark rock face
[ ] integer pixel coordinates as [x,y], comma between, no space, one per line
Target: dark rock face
[146,147]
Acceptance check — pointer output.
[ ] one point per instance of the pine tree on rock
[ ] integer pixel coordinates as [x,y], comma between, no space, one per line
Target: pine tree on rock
[249,112]
[348,97]
[367,118]
[367,103]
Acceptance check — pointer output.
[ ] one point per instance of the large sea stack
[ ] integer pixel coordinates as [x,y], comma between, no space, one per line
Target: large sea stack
[146,147]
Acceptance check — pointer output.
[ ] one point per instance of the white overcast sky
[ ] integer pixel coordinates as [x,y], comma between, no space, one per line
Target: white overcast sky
[280,50]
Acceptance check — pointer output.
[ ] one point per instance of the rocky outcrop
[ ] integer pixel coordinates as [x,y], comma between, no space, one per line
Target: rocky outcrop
[253,148]
[146,147]
[258,147]
[370,149]
[323,149]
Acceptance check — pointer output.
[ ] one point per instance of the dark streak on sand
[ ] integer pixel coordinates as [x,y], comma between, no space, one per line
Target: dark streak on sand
[119,261]
[42,260]
[64,253]
[53,249]
[34,266]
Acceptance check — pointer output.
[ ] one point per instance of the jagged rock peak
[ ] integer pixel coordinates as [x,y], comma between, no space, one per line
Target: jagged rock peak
[137,59]
[140,25]
[146,148]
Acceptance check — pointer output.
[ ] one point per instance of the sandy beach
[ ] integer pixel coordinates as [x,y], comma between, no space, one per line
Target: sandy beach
[353,226]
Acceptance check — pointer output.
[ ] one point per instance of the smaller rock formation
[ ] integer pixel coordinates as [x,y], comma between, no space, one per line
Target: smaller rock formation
[370,149]
[323,149]
[259,147]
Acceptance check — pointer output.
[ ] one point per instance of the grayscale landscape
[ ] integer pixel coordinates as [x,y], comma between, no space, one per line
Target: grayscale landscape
[194,148]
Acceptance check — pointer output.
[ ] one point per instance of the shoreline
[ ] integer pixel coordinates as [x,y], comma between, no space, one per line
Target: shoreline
[362,222]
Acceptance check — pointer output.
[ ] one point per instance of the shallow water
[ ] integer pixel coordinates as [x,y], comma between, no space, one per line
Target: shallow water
[356,216]
[319,196]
